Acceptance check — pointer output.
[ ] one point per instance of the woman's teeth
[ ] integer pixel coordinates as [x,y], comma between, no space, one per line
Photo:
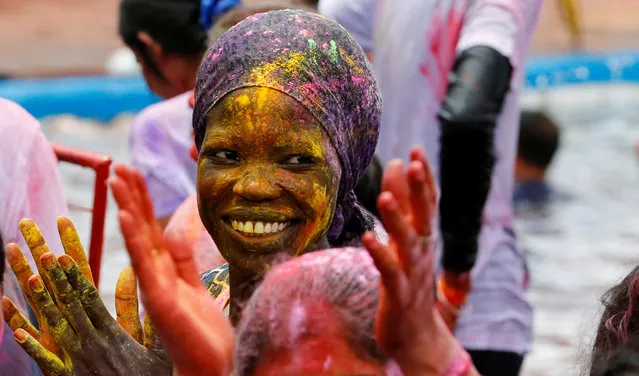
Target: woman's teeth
[259,227]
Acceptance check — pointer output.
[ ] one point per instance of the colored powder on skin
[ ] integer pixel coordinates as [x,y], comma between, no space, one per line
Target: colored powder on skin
[262,98]
[243,101]
[316,62]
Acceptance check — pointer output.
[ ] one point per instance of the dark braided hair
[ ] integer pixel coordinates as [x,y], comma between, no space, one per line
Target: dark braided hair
[619,324]
[344,280]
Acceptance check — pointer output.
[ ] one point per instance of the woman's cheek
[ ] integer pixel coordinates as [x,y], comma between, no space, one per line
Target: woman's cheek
[212,182]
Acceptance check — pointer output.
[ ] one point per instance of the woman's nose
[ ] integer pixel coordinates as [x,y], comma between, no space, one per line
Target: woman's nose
[258,184]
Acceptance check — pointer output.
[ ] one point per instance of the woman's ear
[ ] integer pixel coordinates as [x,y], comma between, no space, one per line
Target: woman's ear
[153,47]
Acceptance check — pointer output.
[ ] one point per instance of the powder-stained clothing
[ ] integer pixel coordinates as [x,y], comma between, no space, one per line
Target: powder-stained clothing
[30,187]
[415,46]
[160,140]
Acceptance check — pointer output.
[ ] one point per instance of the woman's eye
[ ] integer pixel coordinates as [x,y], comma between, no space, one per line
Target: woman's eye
[299,159]
[228,155]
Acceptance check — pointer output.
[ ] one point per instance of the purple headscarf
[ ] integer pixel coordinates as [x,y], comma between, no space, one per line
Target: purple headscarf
[317,62]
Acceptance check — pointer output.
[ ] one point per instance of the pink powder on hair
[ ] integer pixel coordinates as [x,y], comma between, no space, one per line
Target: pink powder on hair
[296,321]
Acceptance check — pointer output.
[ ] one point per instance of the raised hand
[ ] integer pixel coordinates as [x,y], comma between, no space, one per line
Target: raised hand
[20,266]
[408,324]
[195,333]
[87,340]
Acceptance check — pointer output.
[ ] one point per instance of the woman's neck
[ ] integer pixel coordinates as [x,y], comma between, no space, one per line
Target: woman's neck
[241,289]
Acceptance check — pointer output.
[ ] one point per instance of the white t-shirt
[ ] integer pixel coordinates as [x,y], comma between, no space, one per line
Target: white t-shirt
[160,140]
[30,187]
[415,45]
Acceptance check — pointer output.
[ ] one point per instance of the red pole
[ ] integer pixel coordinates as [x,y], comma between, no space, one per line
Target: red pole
[100,163]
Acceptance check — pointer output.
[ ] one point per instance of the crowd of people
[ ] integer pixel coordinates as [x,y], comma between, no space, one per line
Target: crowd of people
[264,234]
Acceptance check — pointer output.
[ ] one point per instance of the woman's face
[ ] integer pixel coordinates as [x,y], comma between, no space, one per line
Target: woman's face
[267,179]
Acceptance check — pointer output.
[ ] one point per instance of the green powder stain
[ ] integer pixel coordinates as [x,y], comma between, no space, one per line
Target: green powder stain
[311,44]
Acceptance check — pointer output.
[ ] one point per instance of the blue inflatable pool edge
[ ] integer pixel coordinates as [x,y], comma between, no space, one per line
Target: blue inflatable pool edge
[103,97]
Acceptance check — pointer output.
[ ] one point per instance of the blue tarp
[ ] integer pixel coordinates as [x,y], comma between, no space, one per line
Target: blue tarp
[103,97]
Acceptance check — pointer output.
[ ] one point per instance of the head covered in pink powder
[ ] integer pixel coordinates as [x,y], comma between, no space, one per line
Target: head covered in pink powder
[339,283]
[316,62]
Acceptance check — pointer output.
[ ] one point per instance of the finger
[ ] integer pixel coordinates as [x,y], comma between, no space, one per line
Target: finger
[89,297]
[55,322]
[122,191]
[126,304]
[65,295]
[383,259]
[147,209]
[184,260]
[73,247]
[145,197]
[422,198]
[417,154]
[399,229]
[394,181]
[21,269]
[141,251]
[151,338]
[35,240]
[15,319]
[392,276]
[134,191]
[49,363]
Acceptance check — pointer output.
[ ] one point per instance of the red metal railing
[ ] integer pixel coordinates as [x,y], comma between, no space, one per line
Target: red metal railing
[100,163]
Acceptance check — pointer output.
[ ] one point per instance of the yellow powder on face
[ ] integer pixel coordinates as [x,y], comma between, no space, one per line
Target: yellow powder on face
[242,101]
[317,149]
[262,98]
[319,198]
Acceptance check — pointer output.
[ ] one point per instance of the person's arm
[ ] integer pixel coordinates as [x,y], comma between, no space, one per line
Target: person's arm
[478,86]
[489,44]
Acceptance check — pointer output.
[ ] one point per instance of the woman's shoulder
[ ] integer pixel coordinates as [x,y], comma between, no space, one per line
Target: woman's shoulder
[217,282]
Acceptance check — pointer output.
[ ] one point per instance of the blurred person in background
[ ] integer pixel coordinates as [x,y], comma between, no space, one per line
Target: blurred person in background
[168,38]
[30,187]
[450,72]
[539,139]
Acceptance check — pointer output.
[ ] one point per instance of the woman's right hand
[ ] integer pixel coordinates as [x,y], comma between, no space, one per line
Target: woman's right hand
[196,334]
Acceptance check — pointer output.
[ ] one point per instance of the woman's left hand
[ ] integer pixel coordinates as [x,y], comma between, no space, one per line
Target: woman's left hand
[408,326]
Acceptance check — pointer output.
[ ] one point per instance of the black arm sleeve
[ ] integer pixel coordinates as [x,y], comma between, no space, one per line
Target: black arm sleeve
[478,85]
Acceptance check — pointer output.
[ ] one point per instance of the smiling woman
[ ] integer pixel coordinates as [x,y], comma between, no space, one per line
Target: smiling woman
[286,119]
[274,191]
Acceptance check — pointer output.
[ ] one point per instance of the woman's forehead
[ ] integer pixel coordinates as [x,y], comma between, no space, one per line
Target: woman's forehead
[256,106]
